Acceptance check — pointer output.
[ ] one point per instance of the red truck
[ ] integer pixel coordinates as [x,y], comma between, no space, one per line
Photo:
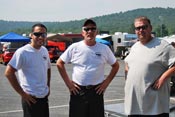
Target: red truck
[58,43]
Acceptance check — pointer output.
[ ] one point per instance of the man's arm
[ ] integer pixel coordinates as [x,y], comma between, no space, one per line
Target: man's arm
[101,88]
[167,74]
[126,70]
[10,74]
[48,79]
[73,87]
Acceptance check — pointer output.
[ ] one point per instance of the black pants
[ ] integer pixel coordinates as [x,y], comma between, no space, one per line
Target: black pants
[39,109]
[86,104]
[160,115]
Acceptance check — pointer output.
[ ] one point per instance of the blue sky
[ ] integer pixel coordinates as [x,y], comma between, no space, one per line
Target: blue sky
[66,10]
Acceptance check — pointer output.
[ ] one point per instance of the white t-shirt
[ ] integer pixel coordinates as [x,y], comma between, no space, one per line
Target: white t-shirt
[88,62]
[146,64]
[32,66]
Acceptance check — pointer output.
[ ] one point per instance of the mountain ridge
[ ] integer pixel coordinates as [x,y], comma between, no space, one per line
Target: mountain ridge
[163,19]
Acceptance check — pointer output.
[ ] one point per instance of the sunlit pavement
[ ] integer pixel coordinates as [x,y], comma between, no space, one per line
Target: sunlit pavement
[10,101]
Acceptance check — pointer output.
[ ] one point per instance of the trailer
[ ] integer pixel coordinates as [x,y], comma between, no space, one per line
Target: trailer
[123,43]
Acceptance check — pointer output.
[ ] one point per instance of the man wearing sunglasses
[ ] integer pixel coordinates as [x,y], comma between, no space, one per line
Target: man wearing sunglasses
[88,82]
[149,67]
[32,63]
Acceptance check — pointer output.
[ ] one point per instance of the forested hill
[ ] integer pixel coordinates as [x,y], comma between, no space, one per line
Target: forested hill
[163,21]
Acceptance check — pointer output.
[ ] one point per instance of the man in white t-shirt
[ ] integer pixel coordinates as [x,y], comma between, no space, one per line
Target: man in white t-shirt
[88,82]
[32,63]
[149,65]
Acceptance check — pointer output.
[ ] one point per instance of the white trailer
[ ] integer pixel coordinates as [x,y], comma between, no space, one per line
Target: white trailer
[122,43]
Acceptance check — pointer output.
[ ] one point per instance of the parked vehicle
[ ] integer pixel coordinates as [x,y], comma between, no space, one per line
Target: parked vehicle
[63,41]
[172,84]
[123,43]
[54,53]
[6,55]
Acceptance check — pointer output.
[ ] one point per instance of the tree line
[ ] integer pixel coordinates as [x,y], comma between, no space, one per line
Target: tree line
[163,22]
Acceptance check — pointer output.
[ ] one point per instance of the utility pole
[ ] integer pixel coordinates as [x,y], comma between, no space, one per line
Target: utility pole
[161,26]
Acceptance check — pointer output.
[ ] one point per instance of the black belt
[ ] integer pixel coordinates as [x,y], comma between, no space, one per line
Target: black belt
[88,86]
[38,98]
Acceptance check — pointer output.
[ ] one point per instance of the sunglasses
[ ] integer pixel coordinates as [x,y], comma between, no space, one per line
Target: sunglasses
[38,34]
[87,29]
[141,27]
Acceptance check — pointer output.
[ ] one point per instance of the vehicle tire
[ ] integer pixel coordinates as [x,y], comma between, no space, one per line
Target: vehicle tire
[4,63]
[53,61]
[172,88]
[122,57]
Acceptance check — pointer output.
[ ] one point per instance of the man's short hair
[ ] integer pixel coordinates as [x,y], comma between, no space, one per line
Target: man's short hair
[39,25]
[89,21]
[141,18]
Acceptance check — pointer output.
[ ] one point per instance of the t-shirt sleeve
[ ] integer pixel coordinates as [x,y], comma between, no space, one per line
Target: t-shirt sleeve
[171,60]
[66,56]
[168,57]
[17,60]
[111,58]
[49,62]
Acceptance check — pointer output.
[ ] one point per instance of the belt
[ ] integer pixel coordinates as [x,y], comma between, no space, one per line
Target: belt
[38,97]
[88,86]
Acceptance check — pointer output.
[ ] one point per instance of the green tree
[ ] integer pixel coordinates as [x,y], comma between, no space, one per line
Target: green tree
[161,30]
[131,29]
